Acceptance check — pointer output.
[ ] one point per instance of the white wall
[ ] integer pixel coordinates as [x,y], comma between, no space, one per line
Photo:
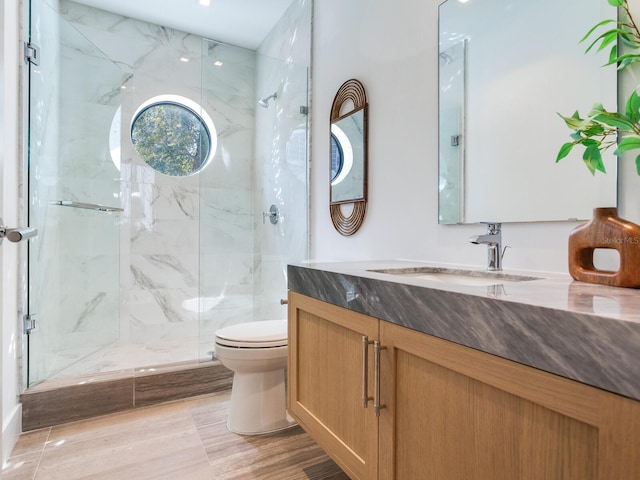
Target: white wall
[10,336]
[392,47]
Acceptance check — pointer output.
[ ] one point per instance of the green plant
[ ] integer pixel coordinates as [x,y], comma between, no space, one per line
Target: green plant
[601,129]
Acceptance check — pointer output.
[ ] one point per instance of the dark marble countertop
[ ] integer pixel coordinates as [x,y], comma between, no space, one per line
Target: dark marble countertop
[585,332]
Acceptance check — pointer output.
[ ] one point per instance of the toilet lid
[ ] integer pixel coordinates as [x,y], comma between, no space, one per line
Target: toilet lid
[269,333]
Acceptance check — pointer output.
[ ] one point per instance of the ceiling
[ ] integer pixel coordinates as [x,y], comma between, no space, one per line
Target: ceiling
[244,23]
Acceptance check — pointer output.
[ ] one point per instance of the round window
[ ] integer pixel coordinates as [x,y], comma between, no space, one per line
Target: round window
[173,135]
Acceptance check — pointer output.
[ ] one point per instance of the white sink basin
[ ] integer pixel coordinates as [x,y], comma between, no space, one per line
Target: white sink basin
[457,276]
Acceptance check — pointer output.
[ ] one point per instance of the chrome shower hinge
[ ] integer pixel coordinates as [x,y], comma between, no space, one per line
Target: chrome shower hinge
[29,323]
[31,53]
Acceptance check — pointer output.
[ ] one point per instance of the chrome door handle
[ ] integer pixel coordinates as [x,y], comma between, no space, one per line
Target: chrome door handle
[365,371]
[16,234]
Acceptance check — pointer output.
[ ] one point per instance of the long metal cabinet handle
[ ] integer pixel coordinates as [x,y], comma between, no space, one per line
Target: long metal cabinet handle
[376,377]
[365,371]
[86,206]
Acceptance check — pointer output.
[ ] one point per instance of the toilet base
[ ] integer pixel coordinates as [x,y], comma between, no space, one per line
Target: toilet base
[258,403]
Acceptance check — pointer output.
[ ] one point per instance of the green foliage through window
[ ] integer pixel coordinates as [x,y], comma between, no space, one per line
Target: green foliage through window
[171,138]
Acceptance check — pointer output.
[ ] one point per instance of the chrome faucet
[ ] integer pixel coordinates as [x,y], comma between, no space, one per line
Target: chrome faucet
[493,240]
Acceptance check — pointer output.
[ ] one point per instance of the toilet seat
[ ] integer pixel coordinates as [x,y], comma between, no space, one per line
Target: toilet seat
[264,334]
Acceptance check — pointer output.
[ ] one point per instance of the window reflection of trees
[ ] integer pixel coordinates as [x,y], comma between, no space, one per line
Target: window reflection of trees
[171,138]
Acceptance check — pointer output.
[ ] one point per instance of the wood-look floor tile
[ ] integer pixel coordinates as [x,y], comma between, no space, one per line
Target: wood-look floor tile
[131,426]
[170,456]
[183,440]
[21,467]
[209,409]
[31,442]
[283,456]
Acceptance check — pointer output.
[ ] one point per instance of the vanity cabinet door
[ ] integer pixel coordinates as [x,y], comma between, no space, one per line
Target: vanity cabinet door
[325,389]
[453,413]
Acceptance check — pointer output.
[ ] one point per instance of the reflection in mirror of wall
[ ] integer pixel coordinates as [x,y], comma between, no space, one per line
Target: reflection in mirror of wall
[501,85]
[347,158]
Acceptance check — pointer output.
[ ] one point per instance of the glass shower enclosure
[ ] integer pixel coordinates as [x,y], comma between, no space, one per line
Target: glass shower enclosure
[74,200]
[132,267]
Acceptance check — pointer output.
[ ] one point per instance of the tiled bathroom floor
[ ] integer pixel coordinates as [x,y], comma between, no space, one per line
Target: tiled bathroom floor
[185,440]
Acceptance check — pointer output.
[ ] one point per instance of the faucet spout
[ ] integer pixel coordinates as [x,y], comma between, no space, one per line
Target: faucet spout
[493,240]
[484,239]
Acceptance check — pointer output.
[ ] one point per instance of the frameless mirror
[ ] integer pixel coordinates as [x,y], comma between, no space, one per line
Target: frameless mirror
[348,162]
[347,158]
[505,70]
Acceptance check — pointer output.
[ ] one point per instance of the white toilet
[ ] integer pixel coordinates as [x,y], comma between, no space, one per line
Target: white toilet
[257,354]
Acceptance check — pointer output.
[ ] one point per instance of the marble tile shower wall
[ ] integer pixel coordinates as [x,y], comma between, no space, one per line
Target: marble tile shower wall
[281,159]
[186,244]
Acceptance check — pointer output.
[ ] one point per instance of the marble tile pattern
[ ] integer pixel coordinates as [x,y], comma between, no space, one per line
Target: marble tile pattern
[281,160]
[69,399]
[189,239]
[589,333]
[185,439]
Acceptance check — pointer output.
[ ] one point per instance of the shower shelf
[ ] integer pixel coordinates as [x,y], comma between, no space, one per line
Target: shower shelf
[86,206]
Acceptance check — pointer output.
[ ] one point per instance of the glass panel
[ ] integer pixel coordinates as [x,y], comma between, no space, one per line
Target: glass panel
[261,161]
[74,261]
[452,114]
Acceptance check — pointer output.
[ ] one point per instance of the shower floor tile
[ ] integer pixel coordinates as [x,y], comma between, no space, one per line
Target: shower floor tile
[186,439]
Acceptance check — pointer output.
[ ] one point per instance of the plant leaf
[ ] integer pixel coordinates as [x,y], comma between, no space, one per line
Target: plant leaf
[572,122]
[593,159]
[564,151]
[608,37]
[576,136]
[631,142]
[588,34]
[632,108]
[615,120]
[616,3]
[613,55]
[638,164]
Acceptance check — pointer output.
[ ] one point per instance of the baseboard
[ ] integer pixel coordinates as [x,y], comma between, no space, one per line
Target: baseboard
[11,429]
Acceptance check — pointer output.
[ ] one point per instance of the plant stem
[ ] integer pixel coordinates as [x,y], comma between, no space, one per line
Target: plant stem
[630,18]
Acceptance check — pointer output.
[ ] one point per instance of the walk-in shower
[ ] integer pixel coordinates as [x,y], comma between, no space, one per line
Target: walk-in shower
[165,257]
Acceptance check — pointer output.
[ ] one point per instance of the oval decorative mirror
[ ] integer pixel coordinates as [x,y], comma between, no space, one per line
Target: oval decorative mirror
[348,162]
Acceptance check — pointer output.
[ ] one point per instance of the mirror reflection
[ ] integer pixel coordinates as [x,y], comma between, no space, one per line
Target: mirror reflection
[347,158]
[505,69]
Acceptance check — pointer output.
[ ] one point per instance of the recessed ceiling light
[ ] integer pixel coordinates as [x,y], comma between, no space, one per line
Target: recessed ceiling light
[206,3]
[217,63]
[184,59]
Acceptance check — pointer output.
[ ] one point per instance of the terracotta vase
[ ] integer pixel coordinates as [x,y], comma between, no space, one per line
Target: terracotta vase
[606,230]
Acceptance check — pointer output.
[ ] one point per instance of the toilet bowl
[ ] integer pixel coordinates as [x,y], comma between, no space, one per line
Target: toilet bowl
[256,352]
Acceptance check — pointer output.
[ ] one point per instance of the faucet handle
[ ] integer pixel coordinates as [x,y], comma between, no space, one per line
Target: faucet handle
[493,227]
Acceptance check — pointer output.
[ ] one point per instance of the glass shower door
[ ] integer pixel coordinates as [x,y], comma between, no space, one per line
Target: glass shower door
[74,198]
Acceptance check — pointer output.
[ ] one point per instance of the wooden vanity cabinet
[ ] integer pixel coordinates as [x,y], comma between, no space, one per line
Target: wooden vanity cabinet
[450,412]
[325,377]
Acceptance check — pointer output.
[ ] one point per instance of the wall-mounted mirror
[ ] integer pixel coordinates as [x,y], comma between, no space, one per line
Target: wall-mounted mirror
[347,158]
[505,70]
[348,162]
